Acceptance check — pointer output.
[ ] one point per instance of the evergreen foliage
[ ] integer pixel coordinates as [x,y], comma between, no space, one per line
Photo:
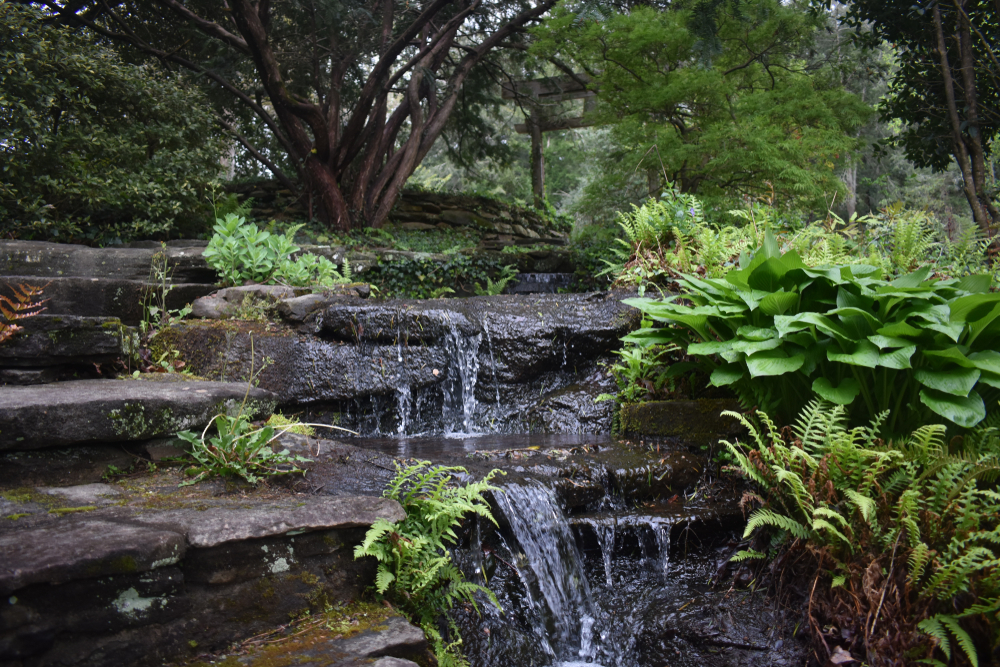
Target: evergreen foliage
[716,97]
[94,149]
[415,568]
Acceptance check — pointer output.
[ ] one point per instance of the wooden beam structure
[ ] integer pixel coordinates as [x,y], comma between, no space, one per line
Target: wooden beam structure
[536,94]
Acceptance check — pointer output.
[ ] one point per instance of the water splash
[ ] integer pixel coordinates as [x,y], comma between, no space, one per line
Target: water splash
[550,552]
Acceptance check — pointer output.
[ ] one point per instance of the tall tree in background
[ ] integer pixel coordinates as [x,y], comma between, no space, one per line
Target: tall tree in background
[946,88]
[352,92]
[715,96]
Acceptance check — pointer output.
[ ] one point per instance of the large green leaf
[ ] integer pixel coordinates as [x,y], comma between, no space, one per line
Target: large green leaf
[767,277]
[756,333]
[912,279]
[711,347]
[728,374]
[844,394]
[990,378]
[955,355]
[786,324]
[965,411]
[889,341]
[778,302]
[987,360]
[898,359]
[975,283]
[863,353]
[752,346]
[773,362]
[899,329]
[955,381]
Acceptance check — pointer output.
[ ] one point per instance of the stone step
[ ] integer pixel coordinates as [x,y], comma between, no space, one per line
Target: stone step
[87,411]
[137,576]
[62,260]
[48,346]
[120,298]
[693,422]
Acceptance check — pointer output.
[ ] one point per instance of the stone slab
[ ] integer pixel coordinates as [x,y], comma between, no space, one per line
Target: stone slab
[103,297]
[206,529]
[59,260]
[84,494]
[56,340]
[83,550]
[83,411]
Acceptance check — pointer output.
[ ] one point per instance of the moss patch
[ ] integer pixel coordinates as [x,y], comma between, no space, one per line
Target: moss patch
[284,647]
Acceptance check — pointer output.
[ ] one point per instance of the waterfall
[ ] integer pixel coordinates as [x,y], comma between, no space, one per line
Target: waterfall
[459,408]
[550,553]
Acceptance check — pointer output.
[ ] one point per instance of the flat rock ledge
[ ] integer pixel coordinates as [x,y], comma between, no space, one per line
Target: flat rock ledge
[83,411]
[123,584]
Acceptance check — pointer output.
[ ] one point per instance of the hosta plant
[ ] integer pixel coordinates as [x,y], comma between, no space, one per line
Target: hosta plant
[242,252]
[781,333]
[414,566]
[896,545]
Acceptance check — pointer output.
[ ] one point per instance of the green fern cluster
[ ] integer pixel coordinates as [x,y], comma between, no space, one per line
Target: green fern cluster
[414,566]
[912,507]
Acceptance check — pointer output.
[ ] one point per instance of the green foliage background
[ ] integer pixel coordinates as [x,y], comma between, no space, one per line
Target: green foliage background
[92,148]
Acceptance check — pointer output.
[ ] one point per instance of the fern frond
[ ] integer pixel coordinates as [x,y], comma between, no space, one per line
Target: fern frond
[765,517]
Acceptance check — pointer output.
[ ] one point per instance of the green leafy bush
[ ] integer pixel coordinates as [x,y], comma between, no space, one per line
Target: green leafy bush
[92,148]
[423,278]
[241,252]
[779,332]
[414,567]
[906,536]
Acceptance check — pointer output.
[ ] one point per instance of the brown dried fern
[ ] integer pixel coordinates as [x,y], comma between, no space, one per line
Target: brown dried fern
[24,304]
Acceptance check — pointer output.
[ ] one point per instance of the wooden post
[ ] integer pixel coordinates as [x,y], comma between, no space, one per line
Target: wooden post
[537,161]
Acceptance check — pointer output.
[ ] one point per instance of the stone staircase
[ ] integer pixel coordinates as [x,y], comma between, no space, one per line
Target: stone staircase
[106,557]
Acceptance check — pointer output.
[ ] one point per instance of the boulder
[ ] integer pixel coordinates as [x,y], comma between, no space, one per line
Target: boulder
[83,411]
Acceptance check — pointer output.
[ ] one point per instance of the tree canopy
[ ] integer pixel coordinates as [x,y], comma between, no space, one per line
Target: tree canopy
[92,147]
[945,89]
[734,107]
[346,96]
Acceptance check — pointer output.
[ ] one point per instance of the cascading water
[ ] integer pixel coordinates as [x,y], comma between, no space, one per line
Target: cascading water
[459,407]
[553,564]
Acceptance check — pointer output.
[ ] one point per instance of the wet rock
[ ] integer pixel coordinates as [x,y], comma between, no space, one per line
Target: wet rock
[299,308]
[84,411]
[574,408]
[211,529]
[84,494]
[306,369]
[60,340]
[693,422]
[24,376]
[227,302]
[397,637]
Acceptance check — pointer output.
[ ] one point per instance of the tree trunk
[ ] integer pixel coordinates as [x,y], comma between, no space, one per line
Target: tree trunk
[850,179]
[323,186]
[960,149]
[537,160]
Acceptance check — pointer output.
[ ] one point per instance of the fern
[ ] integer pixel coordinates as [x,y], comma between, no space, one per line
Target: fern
[24,304]
[414,566]
[854,498]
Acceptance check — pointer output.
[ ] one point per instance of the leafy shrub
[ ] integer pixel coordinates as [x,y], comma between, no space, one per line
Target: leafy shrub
[495,287]
[904,537]
[421,278]
[241,252]
[414,565]
[92,148]
[239,449]
[779,332]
